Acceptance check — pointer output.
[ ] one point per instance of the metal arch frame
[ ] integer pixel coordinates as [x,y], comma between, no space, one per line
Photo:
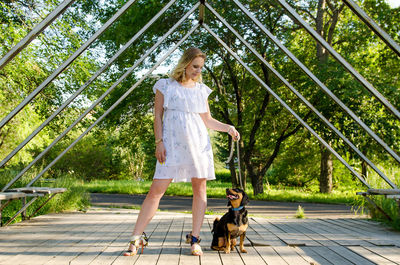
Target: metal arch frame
[85,85]
[201,4]
[129,71]
[318,82]
[299,95]
[373,26]
[66,63]
[339,58]
[35,32]
[283,103]
[114,105]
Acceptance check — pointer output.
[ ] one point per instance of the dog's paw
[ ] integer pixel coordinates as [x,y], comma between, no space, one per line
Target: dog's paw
[227,251]
[243,250]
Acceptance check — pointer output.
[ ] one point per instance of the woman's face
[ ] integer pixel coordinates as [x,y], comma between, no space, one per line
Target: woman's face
[193,70]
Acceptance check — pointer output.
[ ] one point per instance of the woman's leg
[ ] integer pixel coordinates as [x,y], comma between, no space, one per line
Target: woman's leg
[150,204]
[199,204]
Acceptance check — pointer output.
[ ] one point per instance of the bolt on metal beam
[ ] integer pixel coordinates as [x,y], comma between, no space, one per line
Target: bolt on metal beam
[283,103]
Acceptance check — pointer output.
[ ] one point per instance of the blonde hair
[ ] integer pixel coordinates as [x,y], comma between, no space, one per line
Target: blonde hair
[179,71]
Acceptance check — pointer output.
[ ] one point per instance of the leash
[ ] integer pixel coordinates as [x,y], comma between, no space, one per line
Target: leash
[238,157]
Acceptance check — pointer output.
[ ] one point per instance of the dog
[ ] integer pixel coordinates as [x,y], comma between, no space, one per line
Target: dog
[232,224]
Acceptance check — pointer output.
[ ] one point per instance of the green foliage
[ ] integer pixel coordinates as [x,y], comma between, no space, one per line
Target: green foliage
[216,189]
[75,198]
[300,213]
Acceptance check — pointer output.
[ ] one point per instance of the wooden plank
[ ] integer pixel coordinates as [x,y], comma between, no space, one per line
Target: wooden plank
[390,253]
[270,256]
[371,255]
[344,236]
[49,248]
[373,237]
[169,256]
[350,255]
[252,257]
[290,255]
[150,256]
[288,238]
[261,236]
[311,257]
[186,258]
[331,256]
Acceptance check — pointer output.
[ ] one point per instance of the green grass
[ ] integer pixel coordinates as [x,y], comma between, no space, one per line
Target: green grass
[216,189]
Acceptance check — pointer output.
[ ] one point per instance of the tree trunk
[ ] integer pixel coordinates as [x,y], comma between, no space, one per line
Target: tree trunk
[325,178]
[257,183]
[364,171]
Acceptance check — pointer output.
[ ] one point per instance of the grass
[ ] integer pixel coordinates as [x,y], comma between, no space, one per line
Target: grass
[216,189]
[75,198]
[300,213]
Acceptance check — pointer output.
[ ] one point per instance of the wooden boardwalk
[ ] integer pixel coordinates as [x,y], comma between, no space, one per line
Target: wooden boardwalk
[100,235]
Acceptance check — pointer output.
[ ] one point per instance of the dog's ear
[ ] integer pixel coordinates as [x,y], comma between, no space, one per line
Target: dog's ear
[229,203]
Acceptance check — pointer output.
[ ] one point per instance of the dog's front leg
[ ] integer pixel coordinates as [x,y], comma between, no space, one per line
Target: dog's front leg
[228,243]
[242,237]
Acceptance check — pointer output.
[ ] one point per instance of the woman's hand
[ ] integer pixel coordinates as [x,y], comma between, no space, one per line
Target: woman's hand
[234,133]
[160,152]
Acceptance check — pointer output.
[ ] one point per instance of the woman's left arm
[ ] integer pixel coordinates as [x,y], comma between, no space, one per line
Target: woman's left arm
[213,124]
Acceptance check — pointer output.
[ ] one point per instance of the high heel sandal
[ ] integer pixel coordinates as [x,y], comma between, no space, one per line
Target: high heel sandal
[137,241]
[195,245]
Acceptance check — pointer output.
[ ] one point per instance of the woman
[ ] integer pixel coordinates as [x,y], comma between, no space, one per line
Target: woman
[183,147]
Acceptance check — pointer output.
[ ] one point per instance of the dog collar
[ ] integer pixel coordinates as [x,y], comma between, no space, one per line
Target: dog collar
[237,209]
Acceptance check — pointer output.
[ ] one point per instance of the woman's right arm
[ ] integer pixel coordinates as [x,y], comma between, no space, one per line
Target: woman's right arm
[158,120]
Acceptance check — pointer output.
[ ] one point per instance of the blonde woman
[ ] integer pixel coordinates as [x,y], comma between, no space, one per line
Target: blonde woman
[183,147]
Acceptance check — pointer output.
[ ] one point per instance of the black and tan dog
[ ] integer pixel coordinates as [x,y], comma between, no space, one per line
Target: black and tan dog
[233,224]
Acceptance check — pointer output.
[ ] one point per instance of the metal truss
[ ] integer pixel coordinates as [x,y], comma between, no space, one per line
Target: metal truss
[201,5]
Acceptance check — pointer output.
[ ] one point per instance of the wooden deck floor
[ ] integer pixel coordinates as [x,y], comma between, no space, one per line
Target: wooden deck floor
[100,235]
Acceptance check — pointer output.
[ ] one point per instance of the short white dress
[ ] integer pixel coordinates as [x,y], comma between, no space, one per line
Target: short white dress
[185,136]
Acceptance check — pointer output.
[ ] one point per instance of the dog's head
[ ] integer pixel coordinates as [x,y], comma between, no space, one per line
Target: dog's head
[236,197]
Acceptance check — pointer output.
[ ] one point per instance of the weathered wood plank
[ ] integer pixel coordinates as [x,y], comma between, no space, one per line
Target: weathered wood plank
[350,255]
[329,255]
[270,256]
[390,253]
[371,255]
[290,255]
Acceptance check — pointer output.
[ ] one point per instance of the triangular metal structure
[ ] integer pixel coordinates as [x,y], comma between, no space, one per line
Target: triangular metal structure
[201,5]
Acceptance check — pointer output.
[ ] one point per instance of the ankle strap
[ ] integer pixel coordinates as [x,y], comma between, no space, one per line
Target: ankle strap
[194,240]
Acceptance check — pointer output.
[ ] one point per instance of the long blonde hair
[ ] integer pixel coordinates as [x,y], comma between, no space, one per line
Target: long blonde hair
[179,71]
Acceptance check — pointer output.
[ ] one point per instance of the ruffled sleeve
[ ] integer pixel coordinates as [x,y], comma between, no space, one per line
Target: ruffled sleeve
[206,91]
[160,85]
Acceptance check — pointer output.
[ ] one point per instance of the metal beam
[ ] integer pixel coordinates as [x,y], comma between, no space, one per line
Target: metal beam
[318,82]
[373,26]
[283,103]
[128,72]
[84,86]
[35,32]
[340,59]
[114,105]
[61,68]
[201,12]
[300,96]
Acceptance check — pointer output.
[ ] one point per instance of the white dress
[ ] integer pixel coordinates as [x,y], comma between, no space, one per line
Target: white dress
[186,140]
